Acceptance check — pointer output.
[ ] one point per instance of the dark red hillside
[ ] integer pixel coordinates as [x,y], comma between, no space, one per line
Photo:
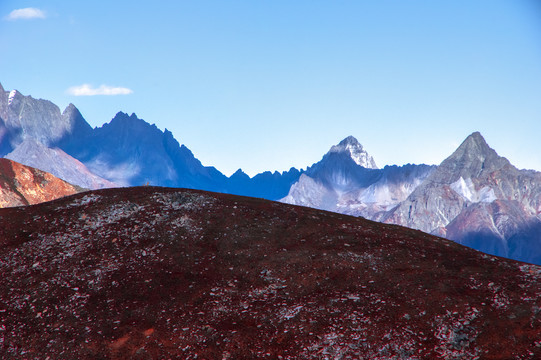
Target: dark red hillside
[154,273]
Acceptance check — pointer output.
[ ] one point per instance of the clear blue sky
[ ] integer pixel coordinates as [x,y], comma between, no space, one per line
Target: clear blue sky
[266,85]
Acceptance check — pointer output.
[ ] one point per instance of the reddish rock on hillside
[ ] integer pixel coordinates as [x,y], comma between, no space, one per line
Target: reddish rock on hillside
[155,273]
[24,185]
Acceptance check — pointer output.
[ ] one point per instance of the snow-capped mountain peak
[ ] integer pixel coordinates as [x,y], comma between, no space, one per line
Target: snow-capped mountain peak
[355,150]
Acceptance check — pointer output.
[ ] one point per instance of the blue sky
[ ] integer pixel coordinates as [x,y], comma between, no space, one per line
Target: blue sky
[267,85]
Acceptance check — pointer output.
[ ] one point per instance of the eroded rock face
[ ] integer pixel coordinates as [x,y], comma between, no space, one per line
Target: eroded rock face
[24,185]
[148,273]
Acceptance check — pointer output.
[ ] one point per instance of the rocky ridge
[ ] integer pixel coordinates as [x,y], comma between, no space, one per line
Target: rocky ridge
[474,197]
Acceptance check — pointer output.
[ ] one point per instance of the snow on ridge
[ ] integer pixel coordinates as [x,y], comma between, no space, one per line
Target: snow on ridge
[361,157]
[12,94]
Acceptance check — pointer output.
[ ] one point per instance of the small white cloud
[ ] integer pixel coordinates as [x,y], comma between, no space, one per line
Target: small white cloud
[88,90]
[26,14]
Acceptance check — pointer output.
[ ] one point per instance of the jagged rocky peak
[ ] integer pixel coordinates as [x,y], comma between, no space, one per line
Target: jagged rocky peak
[129,122]
[355,150]
[471,158]
[239,174]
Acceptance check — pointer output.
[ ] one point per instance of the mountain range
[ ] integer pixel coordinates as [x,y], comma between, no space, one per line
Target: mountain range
[474,197]
[154,273]
[127,151]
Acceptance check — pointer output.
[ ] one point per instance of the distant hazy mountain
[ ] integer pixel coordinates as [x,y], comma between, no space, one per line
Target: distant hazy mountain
[23,117]
[475,197]
[129,151]
[267,185]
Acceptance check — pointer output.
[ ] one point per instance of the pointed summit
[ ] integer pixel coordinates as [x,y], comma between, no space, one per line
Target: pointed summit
[475,143]
[76,124]
[70,109]
[472,157]
[355,150]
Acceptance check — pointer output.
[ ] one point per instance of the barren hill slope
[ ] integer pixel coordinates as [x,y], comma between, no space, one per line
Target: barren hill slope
[23,185]
[148,273]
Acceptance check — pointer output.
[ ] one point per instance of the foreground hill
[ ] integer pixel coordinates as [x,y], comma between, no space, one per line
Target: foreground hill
[148,273]
[24,185]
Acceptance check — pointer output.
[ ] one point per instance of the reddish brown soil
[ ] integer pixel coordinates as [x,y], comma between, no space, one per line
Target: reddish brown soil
[24,185]
[155,273]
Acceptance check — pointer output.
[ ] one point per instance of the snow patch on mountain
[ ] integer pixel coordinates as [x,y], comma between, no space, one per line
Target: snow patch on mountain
[12,94]
[466,189]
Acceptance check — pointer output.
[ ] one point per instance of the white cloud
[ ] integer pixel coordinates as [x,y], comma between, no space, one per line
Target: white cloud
[26,13]
[88,90]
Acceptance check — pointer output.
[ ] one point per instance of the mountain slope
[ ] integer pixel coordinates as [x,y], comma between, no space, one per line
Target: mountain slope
[55,161]
[151,273]
[24,185]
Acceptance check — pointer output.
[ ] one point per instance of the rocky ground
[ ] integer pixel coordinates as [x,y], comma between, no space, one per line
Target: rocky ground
[157,273]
